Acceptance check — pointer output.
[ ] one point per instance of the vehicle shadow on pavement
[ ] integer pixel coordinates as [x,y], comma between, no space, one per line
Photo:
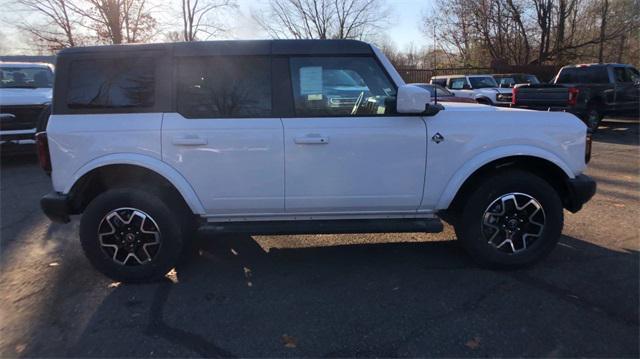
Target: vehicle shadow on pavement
[392,299]
[622,131]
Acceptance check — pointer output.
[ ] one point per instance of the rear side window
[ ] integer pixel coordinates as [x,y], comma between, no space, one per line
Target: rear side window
[112,83]
[341,86]
[566,76]
[224,86]
[441,82]
[457,83]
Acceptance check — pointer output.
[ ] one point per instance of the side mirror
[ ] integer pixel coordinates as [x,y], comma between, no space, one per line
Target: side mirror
[466,87]
[412,99]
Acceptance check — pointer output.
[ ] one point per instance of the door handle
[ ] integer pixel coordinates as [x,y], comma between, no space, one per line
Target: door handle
[189,140]
[311,140]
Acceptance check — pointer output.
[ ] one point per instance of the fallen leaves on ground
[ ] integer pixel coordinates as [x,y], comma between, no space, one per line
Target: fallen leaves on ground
[473,343]
[289,341]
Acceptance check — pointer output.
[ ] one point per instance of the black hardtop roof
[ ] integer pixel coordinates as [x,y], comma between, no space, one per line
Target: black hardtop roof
[233,47]
[514,74]
[597,65]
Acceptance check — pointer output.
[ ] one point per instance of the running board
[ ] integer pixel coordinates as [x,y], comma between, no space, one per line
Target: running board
[429,225]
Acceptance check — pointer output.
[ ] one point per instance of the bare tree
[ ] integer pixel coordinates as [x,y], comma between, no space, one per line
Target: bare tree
[58,29]
[324,19]
[118,21]
[196,17]
[603,27]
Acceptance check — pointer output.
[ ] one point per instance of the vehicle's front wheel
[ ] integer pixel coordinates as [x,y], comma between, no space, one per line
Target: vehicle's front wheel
[131,235]
[512,219]
[592,118]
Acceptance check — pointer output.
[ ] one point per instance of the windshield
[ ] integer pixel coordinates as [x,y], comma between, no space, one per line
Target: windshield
[25,77]
[482,82]
[532,79]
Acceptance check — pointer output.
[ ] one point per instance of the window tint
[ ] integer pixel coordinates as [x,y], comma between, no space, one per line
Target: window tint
[25,77]
[457,83]
[596,75]
[633,74]
[340,86]
[441,82]
[224,86]
[566,76]
[112,83]
[482,82]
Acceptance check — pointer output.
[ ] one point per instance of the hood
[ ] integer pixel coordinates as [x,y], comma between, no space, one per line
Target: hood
[25,96]
[462,106]
[494,90]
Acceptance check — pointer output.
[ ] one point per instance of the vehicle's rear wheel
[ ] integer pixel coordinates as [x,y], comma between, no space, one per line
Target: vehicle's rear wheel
[131,235]
[512,219]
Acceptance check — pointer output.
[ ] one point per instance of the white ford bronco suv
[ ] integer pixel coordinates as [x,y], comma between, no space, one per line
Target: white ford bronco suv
[151,142]
[483,89]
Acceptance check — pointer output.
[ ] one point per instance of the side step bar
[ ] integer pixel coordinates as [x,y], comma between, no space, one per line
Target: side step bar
[429,225]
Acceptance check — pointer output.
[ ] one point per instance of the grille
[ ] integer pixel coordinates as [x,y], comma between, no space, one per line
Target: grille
[19,117]
[504,97]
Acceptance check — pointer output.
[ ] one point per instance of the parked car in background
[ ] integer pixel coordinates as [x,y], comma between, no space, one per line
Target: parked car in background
[590,91]
[25,96]
[481,88]
[149,142]
[510,80]
[440,93]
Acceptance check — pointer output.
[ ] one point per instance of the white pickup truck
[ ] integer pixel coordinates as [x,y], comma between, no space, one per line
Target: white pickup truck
[150,142]
[25,96]
[482,88]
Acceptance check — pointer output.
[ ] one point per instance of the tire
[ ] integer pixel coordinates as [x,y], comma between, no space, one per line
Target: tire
[153,232]
[484,102]
[479,220]
[593,117]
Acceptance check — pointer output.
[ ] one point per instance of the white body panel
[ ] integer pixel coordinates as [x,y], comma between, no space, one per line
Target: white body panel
[24,96]
[235,165]
[475,135]
[366,164]
[311,168]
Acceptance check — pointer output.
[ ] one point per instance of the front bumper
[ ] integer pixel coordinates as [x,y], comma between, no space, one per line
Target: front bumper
[56,206]
[580,190]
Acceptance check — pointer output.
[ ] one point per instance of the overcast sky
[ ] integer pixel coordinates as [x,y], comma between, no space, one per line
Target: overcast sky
[404,29]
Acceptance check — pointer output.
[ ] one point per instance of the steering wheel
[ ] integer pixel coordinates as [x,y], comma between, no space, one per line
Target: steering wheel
[356,105]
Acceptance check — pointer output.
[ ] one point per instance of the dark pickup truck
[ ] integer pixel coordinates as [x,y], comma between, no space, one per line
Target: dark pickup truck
[588,91]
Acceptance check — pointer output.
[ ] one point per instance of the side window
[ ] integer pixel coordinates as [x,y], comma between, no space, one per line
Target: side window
[441,82]
[112,83]
[566,76]
[633,74]
[340,86]
[457,83]
[620,74]
[224,86]
[599,75]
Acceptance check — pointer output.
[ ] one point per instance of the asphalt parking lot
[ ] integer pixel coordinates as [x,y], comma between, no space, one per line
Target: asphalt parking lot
[382,295]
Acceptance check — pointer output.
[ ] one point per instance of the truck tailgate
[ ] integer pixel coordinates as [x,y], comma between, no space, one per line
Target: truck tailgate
[541,96]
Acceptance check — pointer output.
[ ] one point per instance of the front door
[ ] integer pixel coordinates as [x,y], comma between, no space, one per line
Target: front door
[223,138]
[346,150]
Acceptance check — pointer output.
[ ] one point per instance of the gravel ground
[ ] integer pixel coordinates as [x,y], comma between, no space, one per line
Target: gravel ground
[331,295]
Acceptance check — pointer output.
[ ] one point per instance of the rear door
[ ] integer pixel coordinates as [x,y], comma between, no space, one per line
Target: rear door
[346,150]
[223,138]
[460,87]
[626,88]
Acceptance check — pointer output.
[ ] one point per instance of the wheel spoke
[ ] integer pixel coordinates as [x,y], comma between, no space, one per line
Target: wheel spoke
[517,219]
[129,236]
